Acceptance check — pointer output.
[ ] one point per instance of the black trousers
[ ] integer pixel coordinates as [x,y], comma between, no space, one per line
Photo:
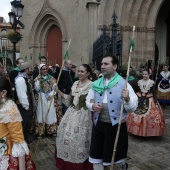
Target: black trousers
[26,121]
[102,142]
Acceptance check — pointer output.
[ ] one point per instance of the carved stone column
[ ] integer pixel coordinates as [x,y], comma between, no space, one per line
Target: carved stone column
[93,23]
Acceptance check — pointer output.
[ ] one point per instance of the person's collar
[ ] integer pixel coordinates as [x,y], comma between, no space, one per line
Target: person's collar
[66,69]
[23,75]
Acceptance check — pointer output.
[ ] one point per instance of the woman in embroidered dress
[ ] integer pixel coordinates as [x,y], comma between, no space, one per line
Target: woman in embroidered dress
[14,153]
[163,91]
[148,119]
[74,131]
[44,85]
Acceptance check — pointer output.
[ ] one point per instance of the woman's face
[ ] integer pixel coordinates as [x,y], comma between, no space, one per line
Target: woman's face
[82,73]
[44,70]
[145,75]
[165,68]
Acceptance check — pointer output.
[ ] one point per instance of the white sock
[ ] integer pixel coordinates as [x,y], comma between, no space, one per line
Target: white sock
[98,166]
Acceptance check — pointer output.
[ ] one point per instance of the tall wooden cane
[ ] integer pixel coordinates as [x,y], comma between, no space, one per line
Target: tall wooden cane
[122,106]
[52,97]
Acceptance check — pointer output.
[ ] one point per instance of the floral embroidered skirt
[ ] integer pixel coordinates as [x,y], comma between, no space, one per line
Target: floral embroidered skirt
[149,123]
[163,97]
[73,140]
[11,163]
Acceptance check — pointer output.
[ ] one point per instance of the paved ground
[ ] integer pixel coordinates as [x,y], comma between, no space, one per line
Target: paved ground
[151,153]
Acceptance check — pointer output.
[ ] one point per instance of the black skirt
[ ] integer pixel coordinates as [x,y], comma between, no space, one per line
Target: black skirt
[102,142]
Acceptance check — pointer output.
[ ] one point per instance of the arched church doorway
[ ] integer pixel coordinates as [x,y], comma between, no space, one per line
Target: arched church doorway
[162,34]
[54,46]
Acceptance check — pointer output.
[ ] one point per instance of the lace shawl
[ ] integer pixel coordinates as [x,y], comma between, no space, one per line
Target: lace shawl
[9,113]
[76,93]
[165,75]
[148,86]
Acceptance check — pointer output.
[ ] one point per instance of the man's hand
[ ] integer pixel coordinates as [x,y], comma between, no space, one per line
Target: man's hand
[55,87]
[97,108]
[125,95]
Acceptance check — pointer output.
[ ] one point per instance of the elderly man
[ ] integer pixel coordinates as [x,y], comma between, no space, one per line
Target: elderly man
[105,99]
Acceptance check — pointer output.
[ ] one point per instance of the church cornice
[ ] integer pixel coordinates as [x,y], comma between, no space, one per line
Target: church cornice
[130,28]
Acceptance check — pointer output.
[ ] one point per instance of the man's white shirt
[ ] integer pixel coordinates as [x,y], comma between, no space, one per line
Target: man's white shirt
[21,89]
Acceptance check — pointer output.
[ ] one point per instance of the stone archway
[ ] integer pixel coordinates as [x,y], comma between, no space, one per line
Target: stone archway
[143,15]
[47,19]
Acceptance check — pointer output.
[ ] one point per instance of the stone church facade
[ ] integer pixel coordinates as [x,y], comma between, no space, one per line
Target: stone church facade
[50,24]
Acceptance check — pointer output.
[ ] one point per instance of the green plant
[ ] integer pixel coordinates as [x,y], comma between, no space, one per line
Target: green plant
[14,36]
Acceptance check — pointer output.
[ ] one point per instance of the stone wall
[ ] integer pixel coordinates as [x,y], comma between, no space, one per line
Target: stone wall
[79,21]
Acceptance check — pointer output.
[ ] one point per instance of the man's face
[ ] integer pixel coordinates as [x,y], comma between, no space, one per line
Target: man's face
[73,69]
[69,64]
[20,61]
[43,61]
[30,72]
[107,68]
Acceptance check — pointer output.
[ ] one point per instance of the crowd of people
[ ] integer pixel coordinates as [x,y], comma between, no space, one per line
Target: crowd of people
[81,108]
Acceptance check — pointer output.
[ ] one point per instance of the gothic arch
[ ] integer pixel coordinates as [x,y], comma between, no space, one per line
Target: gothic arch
[142,14]
[47,17]
[131,12]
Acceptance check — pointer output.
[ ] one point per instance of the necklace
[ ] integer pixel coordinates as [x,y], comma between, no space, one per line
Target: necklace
[83,84]
[145,85]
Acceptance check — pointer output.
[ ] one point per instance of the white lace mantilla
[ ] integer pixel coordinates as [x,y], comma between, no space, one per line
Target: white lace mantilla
[4,162]
[77,92]
[145,85]
[9,113]
[20,149]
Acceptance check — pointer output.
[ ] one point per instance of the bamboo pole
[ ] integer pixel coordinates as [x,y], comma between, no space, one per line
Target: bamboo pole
[121,110]
[52,97]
